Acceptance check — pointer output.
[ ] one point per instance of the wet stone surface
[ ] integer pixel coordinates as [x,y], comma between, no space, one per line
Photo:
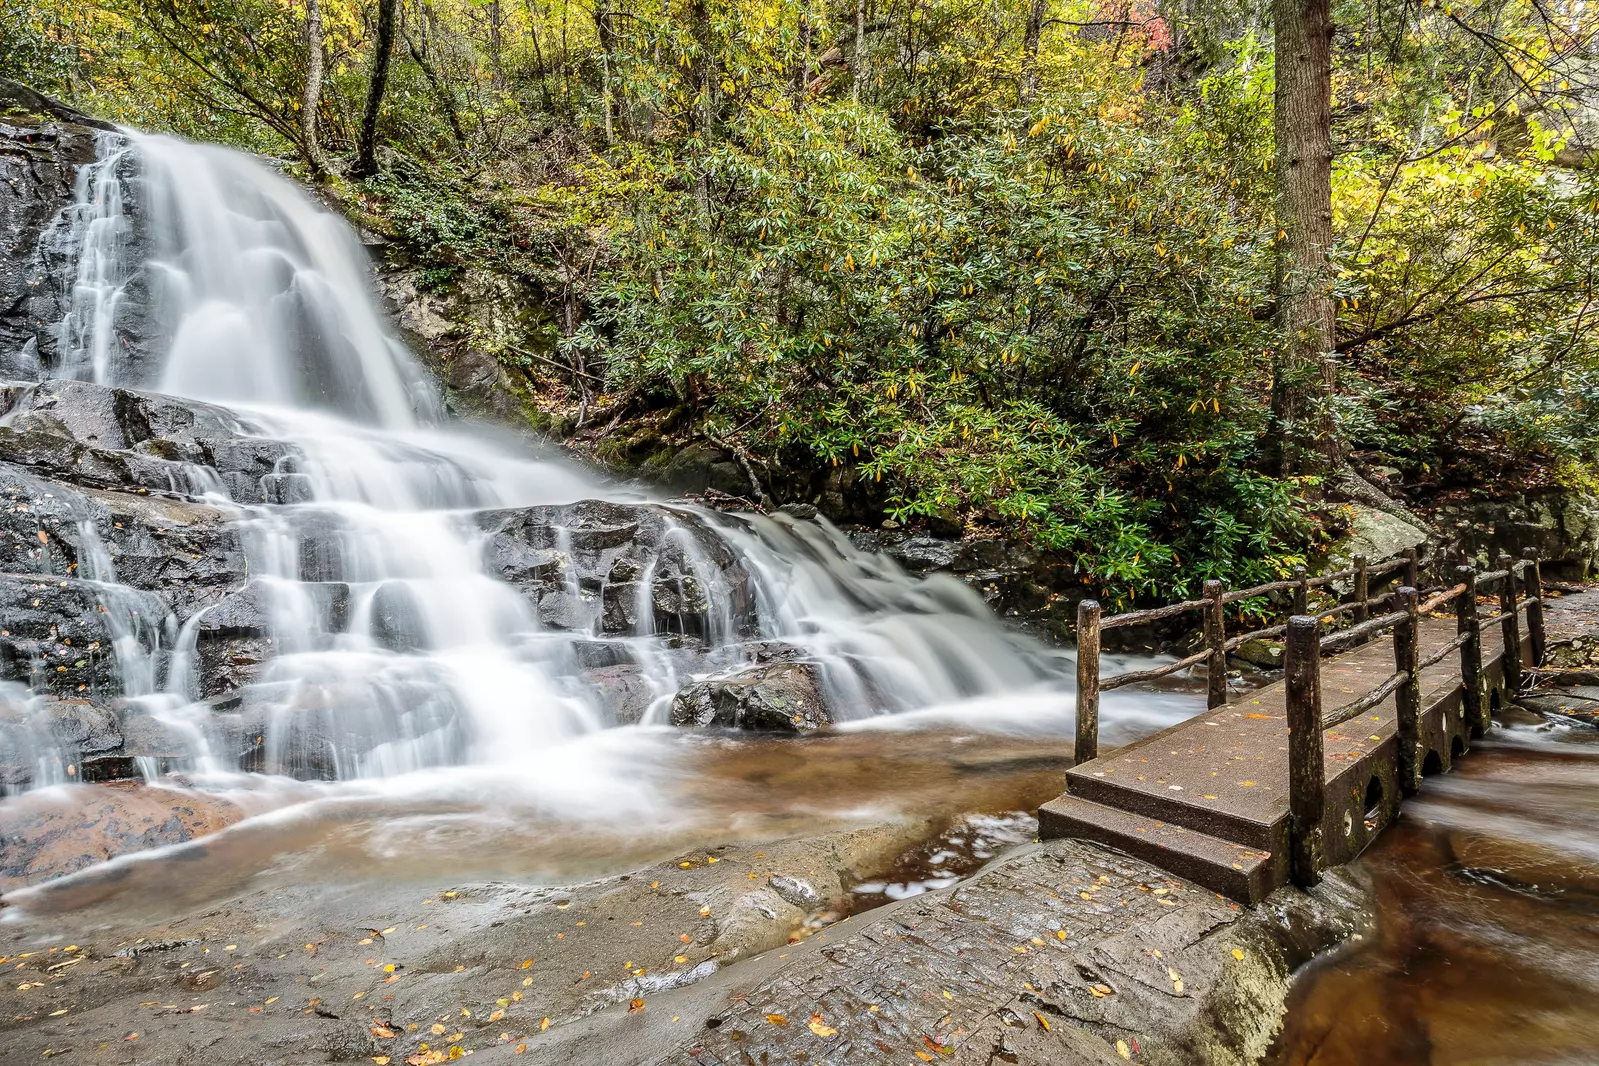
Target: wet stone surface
[1053,956]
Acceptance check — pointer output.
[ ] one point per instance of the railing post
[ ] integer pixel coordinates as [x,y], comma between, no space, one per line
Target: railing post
[1362,589]
[1407,698]
[1301,591]
[1307,781]
[1511,664]
[1471,702]
[1532,585]
[1216,641]
[1087,682]
[1413,568]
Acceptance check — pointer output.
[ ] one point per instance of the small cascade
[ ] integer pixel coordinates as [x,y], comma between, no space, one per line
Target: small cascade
[413,596]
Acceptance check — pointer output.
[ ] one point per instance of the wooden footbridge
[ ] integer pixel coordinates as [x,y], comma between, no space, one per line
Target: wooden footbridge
[1289,779]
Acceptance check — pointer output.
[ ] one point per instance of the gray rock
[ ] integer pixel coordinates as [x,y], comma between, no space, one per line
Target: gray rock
[801,894]
[623,692]
[1377,535]
[780,697]
[1265,654]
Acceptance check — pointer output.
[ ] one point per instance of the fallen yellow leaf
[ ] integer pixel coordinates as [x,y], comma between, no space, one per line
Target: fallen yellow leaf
[820,1028]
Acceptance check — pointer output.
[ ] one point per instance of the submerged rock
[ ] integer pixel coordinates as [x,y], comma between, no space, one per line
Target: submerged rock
[53,834]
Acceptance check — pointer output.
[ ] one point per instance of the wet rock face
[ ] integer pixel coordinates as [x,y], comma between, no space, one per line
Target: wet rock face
[117,548]
[626,567]
[42,145]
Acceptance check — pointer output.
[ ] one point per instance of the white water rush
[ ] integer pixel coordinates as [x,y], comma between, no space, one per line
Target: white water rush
[415,597]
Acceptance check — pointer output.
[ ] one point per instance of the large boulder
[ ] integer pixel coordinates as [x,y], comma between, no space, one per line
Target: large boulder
[774,697]
[1375,534]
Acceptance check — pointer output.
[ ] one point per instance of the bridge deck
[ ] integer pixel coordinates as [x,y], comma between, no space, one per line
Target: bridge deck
[1208,798]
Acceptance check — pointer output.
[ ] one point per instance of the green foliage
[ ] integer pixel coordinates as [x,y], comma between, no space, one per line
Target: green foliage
[1047,312]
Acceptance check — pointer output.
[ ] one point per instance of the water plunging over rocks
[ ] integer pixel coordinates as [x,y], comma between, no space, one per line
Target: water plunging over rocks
[236,537]
[358,652]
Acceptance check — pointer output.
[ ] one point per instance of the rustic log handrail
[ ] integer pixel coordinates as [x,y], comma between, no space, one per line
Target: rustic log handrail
[1357,634]
[1437,601]
[1354,605]
[1444,652]
[1354,708]
[1152,614]
[1116,681]
[1241,639]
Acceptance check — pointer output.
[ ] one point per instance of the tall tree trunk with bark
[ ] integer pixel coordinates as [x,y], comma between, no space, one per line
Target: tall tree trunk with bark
[311,101]
[1030,39]
[860,50]
[607,37]
[1306,370]
[705,78]
[366,160]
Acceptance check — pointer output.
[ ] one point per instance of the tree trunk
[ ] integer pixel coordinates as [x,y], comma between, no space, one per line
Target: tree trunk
[603,30]
[446,100]
[800,76]
[1305,370]
[860,50]
[312,100]
[1034,31]
[705,76]
[366,161]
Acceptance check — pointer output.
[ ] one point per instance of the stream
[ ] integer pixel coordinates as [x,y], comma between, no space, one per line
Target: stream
[1487,946]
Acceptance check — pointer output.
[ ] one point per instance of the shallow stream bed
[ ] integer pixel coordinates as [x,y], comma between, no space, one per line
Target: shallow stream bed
[1487,945]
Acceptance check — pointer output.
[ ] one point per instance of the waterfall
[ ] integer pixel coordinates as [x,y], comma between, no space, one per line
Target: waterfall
[395,646]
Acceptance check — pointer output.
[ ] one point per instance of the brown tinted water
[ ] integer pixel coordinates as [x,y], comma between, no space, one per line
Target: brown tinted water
[693,792]
[1487,950]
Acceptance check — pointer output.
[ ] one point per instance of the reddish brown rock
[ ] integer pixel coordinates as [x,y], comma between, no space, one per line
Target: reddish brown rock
[52,833]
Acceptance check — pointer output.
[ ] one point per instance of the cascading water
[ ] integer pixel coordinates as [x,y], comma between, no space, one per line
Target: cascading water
[390,559]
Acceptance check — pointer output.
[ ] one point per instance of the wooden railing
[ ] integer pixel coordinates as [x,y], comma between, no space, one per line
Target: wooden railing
[1307,722]
[1304,647]
[1090,625]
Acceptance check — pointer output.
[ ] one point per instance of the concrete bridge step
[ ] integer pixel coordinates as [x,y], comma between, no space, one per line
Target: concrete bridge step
[1200,812]
[1238,872]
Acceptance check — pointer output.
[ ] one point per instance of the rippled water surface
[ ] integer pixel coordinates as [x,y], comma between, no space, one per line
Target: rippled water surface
[1488,943]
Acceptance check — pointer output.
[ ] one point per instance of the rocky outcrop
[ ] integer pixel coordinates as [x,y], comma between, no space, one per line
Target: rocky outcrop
[619,567]
[1563,524]
[118,547]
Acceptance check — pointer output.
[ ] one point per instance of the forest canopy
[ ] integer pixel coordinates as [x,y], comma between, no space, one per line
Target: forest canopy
[1017,266]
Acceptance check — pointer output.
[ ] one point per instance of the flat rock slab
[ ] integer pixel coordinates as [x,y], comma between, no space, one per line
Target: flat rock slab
[1066,953]
[1051,956]
[50,834]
